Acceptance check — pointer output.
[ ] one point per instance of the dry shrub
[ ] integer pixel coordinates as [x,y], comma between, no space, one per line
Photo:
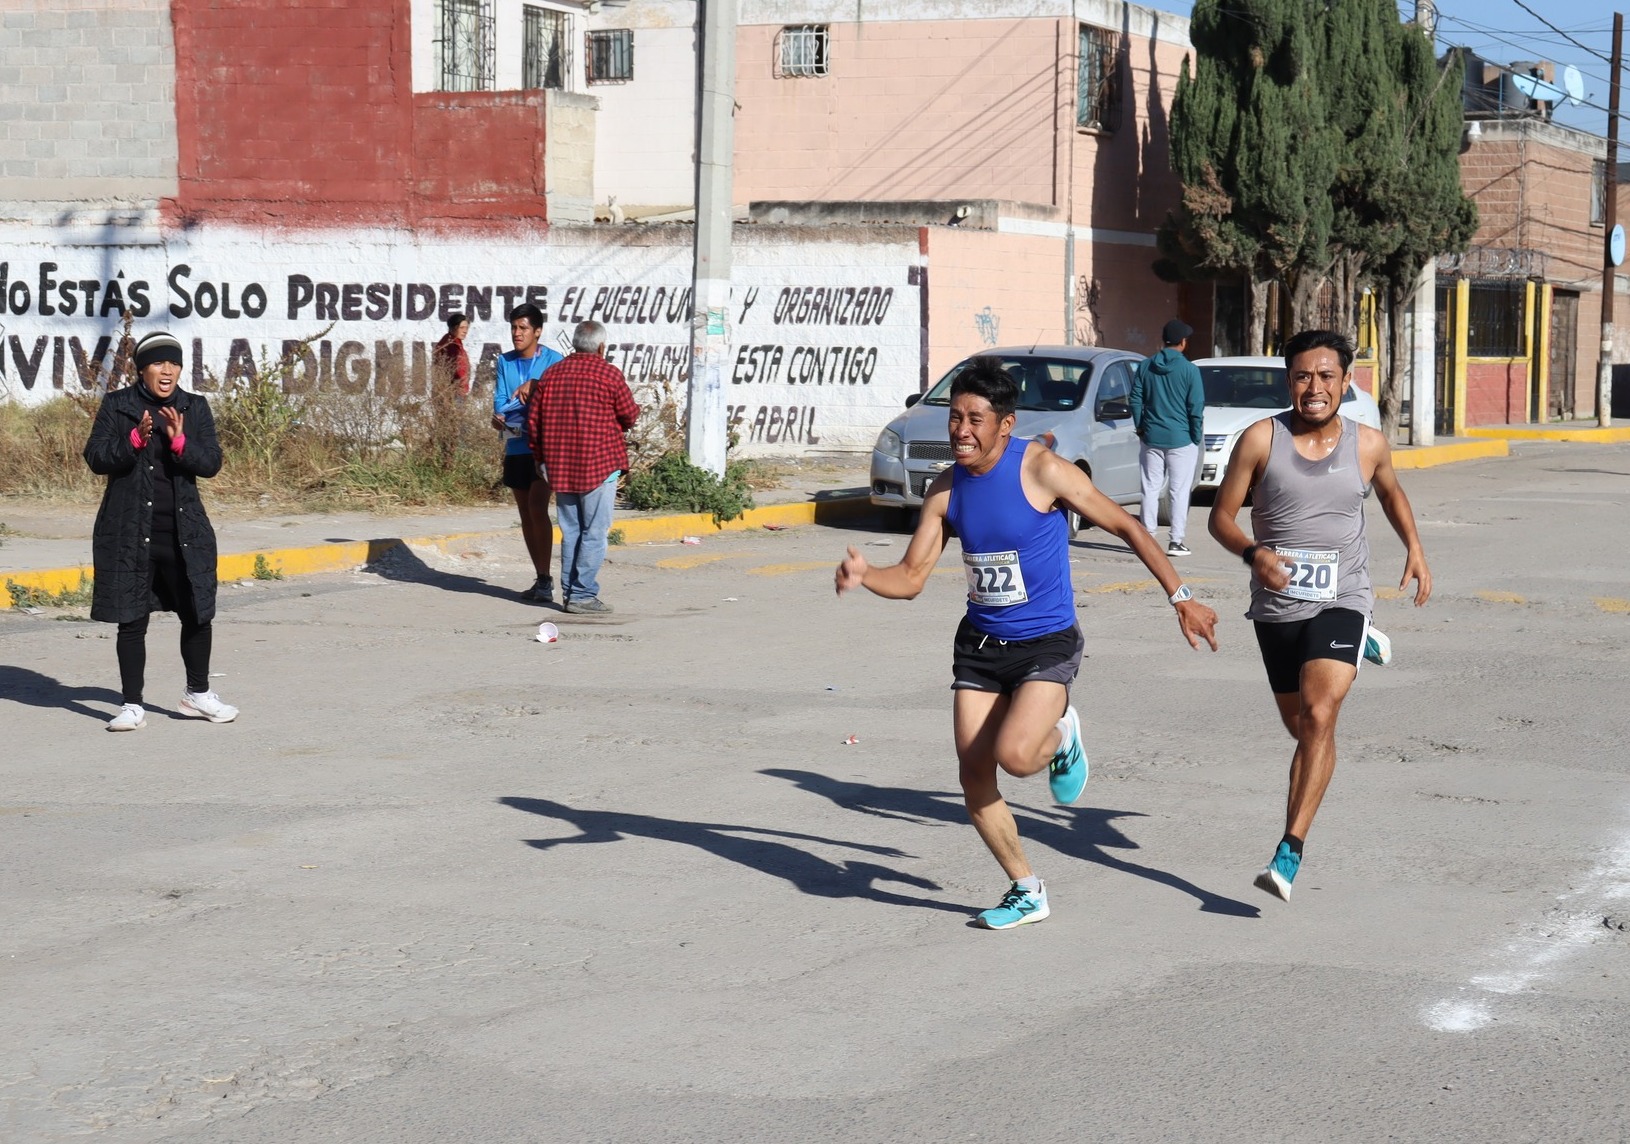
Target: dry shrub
[660,429]
[299,449]
[42,450]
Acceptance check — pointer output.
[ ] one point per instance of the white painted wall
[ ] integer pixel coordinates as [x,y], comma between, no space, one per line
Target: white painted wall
[507,22]
[805,377]
[645,135]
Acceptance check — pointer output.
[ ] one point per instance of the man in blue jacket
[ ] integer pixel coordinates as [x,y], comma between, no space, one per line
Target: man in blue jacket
[1168,409]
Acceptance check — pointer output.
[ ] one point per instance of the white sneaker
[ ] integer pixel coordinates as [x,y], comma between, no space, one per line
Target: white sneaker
[131,717]
[209,705]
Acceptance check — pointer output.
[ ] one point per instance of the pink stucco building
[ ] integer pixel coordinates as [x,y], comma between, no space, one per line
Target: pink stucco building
[1027,138]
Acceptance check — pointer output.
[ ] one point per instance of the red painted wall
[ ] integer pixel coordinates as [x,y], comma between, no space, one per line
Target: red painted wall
[302,112]
[1496,392]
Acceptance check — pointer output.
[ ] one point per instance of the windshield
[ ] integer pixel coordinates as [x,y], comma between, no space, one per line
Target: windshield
[1253,387]
[1053,385]
[1246,386]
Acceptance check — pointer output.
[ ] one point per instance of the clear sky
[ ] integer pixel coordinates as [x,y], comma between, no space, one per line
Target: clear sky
[1503,32]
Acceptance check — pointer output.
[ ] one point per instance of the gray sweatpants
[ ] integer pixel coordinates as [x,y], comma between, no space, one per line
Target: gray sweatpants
[1159,465]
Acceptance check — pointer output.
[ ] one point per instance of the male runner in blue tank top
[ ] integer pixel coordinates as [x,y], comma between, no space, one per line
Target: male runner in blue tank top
[1018,648]
[1309,561]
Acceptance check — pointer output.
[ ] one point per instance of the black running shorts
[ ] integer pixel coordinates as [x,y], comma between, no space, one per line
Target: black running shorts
[980,662]
[1335,633]
[520,471]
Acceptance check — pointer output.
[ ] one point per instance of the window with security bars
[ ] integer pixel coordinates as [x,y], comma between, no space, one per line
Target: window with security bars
[1598,192]
[466,45]
[610,56]
[544,58]
[1098,80]
[803,51]
[1494,319]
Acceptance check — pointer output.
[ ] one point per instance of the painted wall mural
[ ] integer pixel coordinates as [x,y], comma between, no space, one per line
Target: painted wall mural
[826,338]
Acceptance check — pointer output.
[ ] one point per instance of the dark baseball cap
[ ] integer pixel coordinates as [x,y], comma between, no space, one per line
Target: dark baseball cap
[1175,331]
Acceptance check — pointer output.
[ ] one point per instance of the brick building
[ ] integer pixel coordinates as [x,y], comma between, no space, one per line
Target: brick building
[1520,312]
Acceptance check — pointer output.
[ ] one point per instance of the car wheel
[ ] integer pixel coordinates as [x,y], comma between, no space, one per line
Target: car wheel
[1073,520]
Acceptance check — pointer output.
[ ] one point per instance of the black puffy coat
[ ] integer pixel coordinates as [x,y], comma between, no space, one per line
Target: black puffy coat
[124,523]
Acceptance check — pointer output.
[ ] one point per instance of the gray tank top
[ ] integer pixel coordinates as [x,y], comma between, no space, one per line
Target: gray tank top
[1312,513]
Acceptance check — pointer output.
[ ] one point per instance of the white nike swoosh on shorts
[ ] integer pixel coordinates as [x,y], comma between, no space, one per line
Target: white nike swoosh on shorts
[1334,644]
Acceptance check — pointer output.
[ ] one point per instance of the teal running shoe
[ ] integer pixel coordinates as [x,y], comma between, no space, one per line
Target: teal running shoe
[1378,648]
[1018,907]
[1280,872]
[1067,773]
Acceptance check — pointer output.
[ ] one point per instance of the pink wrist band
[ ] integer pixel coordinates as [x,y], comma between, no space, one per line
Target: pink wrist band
[135,439]
[177,443]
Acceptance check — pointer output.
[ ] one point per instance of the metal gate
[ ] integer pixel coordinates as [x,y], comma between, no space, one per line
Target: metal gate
[1443,357]
[1564,349]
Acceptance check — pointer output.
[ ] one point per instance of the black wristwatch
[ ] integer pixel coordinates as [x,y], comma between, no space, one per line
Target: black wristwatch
[1249,555]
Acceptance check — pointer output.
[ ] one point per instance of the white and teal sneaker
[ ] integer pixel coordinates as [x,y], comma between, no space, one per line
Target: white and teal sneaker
[1018,907]
[1280,872]
[1067,773]
[1377,648]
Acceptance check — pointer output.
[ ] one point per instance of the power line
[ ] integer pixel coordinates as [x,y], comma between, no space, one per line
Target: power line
[1560,32]
[1446,42]
[1493,35]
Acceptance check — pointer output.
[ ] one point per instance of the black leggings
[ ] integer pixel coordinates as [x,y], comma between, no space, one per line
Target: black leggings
[168,578]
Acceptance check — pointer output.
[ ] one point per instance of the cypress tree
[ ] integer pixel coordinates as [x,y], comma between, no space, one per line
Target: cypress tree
[1252,146]
[1433,214]
[1365,106]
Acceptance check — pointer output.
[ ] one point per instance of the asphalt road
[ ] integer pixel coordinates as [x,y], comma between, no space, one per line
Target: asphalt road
[441,882]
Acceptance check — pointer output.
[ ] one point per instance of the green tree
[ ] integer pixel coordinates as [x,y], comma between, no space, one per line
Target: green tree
[1316,141]
[1254,151]
[1434,215]
[1366,109]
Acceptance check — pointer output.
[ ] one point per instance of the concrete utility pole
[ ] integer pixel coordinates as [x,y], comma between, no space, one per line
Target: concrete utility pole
[706,434]
[1423,395]
[1604,370]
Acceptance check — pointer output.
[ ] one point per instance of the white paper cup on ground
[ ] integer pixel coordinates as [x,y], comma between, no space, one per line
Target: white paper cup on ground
[548,633]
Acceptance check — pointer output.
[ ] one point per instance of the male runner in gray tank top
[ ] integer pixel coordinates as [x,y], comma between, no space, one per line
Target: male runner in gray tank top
[1310,564]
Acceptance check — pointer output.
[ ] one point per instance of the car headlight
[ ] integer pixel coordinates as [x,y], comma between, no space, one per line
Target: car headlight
[888,443]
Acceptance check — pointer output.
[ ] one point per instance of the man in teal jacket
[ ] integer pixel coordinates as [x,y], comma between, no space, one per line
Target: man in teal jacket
[1168,408]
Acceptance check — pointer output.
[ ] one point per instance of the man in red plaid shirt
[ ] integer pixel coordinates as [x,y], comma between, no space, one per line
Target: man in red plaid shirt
[580,408]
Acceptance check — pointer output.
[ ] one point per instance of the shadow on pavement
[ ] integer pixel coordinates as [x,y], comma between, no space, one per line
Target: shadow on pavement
[1085,832]
[20,685]
[749,846]
[392,559]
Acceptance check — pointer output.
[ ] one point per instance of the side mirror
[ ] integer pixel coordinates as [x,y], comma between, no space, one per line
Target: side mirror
[1114,409]
[912,399]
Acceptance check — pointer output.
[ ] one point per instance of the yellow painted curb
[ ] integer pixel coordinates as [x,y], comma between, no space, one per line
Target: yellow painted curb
[1428,456]
[1609,435]
[339,557]
[643,530]
[54,581]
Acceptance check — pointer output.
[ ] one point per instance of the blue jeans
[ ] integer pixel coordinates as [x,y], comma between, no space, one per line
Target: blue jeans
[585,521]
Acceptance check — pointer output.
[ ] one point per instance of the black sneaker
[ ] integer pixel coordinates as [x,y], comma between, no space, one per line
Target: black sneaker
[542,591]
[1178,548]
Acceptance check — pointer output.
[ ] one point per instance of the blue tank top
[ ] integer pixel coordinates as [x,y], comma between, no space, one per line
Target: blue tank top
[1017,559]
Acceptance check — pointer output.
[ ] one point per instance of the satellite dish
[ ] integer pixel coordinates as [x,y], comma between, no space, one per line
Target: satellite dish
[1573,83]
[1535,88]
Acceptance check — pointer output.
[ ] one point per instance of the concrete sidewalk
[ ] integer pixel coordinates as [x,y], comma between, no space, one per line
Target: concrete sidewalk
[51,545]
[48,546]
